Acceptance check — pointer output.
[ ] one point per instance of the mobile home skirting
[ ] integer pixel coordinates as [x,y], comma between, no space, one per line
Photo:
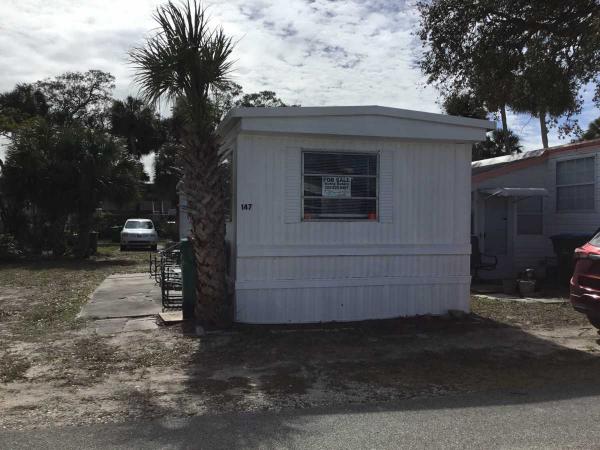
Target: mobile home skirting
[351,287]
[351,303]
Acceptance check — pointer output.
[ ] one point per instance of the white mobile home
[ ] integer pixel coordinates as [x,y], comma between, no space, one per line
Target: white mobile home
[520,201]
[348,213]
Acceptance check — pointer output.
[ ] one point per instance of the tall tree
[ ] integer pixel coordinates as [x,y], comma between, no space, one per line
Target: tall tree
[20,105]
[33,176]
[593,131]
[502,49]
[138,123]
[79,97]
[167,169]
[497,143]
[464,104]
[262,99]
[187,59]
[547,90]
[232,95]
[62,171]
[106,170]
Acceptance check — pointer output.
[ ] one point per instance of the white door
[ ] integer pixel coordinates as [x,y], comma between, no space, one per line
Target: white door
[496,235]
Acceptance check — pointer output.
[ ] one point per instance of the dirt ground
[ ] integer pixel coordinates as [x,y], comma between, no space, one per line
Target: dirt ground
[54,369]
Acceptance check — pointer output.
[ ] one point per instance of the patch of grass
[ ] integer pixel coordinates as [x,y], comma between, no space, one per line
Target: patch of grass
[528,314]
[53,291]
[137,261]
[85,360]
[12,367]
[157,354]
[95,354]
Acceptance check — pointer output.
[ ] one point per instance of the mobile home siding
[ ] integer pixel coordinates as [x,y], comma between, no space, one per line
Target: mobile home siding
[535,250]
[526,250]
[573,222]
[414,260]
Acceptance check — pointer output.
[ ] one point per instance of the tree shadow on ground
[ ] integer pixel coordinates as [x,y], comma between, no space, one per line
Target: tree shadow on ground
[371,366]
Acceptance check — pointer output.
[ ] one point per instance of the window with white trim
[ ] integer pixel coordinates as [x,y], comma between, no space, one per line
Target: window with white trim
[575,185]
[530,216]
[339,186]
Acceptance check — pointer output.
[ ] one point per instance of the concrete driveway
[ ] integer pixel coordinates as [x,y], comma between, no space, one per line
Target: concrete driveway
[124,302]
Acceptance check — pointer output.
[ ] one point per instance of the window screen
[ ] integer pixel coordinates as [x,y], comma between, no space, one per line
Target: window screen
[339,186]
[575,185]
[530,216]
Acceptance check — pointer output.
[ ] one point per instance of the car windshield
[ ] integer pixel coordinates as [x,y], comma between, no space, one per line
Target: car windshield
[139,224]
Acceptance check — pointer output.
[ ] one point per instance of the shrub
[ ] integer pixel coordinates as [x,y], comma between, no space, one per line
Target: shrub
[9,250]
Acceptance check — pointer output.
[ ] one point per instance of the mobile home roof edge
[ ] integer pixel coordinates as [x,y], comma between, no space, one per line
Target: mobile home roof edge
[494,167]
[371,110]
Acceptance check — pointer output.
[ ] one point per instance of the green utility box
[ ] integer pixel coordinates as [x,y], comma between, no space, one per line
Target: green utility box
[115,233]
[188,279]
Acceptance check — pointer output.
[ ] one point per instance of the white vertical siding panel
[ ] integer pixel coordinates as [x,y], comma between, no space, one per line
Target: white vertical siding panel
[340,267]
[386,186]
[424,210]
[348,304]
[291,183]
[462,195]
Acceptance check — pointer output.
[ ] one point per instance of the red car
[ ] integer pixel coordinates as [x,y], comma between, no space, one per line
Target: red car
[585,284]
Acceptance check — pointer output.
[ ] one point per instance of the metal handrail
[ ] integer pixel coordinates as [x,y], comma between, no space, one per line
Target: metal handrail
[165,268]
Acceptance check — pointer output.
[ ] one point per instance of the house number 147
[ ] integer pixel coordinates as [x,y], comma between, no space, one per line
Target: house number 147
[246,206]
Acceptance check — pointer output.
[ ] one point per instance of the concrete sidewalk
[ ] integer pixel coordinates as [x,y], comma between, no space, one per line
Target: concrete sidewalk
[124,302]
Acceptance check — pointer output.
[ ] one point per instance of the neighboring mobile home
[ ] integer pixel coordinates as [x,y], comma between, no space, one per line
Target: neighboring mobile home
[520,201]
[348,213]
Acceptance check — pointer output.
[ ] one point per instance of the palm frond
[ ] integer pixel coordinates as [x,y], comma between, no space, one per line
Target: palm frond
[184,58]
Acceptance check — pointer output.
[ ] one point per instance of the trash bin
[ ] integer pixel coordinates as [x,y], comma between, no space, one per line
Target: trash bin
[115,233]
[564,246]
[188,279]
[93,242]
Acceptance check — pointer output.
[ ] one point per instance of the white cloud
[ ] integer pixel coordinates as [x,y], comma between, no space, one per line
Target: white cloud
[312,52]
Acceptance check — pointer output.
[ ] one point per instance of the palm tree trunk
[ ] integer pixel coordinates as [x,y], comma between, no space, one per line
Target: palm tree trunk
[503,116]
[204,188]
[544,129]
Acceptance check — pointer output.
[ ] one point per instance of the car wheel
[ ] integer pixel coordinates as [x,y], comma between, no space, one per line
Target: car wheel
[595,321]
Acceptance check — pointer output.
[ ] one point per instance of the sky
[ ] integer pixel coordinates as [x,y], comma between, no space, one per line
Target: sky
[310,52]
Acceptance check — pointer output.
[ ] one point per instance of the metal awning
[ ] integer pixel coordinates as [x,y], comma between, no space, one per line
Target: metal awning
[515,192]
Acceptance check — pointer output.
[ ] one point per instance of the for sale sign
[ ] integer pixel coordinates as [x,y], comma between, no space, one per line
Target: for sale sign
[337,187]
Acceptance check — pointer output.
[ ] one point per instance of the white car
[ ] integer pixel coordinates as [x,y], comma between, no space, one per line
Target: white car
[138,233]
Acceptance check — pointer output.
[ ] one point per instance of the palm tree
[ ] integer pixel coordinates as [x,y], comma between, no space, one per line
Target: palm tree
[66,171]
[500,143]
[186,61]
[138,124]
[593,131]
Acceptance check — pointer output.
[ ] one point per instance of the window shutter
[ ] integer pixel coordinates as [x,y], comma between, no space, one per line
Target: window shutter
[386,188]
[293,184]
